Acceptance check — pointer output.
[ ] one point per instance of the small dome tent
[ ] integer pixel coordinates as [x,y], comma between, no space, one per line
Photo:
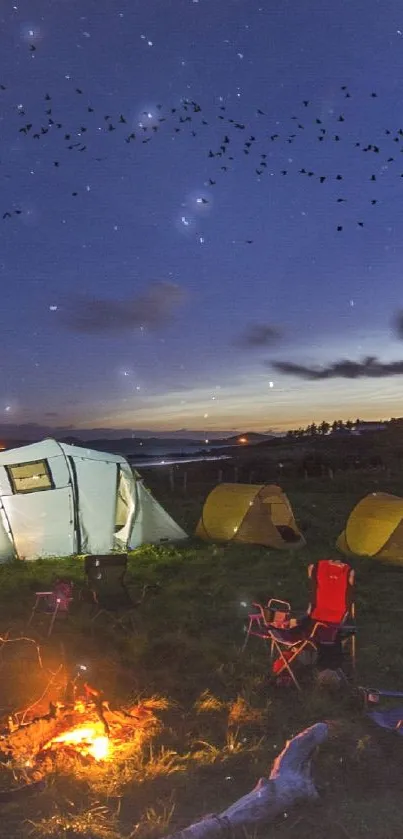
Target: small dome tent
[253,513]
[61,500]
[375,528]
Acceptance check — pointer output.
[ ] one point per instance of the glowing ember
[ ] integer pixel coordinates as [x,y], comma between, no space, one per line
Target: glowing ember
[85,739]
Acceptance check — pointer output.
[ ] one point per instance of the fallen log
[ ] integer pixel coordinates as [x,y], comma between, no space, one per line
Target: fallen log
[289,782]
[23,792]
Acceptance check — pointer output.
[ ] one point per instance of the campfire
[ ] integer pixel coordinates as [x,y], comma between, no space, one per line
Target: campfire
[86,730]
[86,740]
[70,727]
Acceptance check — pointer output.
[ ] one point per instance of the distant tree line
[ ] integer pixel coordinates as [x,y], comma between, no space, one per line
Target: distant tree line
[324,428]
[314,430]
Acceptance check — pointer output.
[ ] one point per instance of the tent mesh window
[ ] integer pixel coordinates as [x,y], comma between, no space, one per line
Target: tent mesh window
[30,477]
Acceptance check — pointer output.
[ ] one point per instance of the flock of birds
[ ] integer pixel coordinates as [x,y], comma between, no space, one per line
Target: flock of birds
[237,140]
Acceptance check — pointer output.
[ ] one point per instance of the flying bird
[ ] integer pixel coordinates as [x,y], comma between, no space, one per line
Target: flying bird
[180,117]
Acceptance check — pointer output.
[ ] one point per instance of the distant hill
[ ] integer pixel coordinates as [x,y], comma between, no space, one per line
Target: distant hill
[129,445]
[31,432]
[136,444]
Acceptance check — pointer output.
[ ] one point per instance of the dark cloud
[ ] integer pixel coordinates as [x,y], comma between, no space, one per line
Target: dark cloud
[398,324]
[370,368]
[259,335]
[93,315]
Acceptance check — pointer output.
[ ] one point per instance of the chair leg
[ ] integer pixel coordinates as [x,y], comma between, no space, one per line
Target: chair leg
[56,609]
[287,664]
[353,651]
[34,608]
[246,638]
[350,644]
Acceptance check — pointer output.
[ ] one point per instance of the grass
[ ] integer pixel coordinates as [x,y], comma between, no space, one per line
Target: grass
[220,722]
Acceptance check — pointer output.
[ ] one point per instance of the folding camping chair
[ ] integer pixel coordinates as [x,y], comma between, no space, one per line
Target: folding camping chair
[54,603]
[106,583]
[326,627]
[389,718]
[276,613]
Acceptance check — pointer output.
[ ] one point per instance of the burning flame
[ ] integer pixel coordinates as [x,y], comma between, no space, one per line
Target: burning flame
[86,739]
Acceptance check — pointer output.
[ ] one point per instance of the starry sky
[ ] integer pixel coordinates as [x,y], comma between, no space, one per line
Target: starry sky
[200,213]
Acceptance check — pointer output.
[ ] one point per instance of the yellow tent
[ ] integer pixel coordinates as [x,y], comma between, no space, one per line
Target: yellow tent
[375,528]
[253,513]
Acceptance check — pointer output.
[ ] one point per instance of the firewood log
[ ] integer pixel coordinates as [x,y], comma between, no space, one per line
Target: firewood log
[289,782]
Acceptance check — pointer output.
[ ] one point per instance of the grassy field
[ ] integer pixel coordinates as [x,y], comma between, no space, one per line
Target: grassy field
[220,721]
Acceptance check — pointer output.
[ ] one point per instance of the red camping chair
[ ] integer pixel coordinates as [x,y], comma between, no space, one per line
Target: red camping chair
[53,603]
[327,626]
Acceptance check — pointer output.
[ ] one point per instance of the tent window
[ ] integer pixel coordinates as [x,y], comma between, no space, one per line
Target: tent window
[30,477]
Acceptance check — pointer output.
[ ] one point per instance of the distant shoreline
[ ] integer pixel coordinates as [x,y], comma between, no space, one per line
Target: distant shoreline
[172,460]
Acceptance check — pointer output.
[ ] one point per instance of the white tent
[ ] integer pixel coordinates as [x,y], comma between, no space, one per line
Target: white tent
[60,500]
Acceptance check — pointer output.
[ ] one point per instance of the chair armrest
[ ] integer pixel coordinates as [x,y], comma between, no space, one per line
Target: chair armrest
[317,625]
[260,613]
[274,602]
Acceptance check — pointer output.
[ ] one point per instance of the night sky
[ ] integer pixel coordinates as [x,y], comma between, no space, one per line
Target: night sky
[201,213]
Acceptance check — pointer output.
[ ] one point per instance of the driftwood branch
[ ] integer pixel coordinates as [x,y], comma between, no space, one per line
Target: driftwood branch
[289,782]
[5,639]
